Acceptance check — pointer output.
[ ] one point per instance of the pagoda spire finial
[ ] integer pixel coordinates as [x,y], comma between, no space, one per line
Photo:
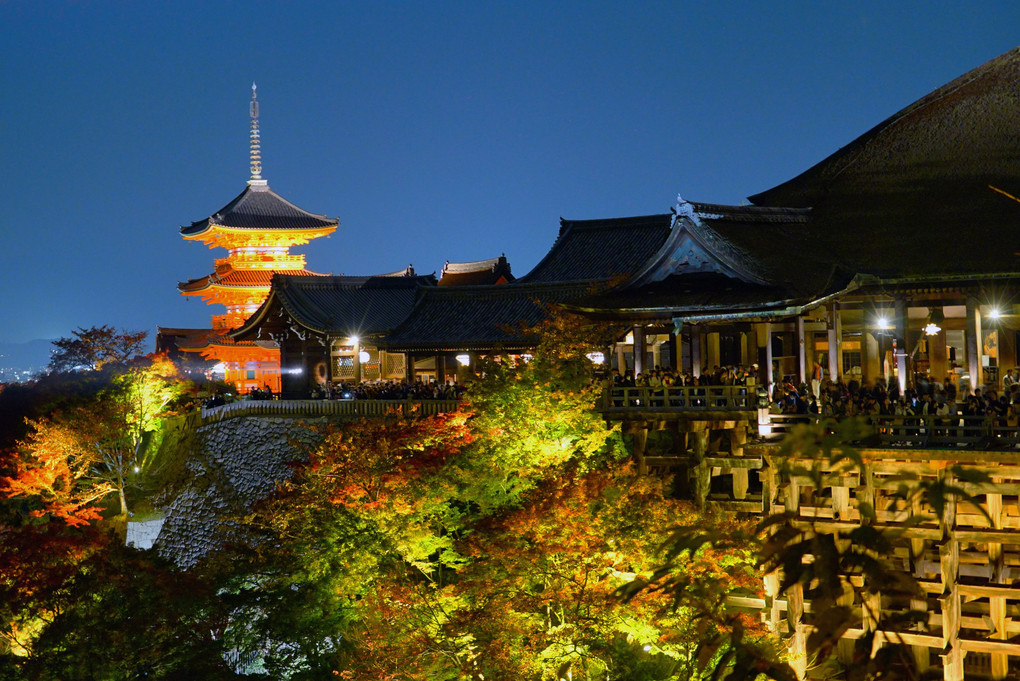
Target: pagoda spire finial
[255,144]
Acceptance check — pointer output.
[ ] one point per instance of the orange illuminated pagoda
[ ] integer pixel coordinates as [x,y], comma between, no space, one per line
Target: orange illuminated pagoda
[257,228]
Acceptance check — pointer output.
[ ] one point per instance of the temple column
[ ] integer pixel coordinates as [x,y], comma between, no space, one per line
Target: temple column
[409,367]
[329,361]
[621,358]
[835,332]
[900,324]
[974,342]
[639,350]
[871,362]
[656,354]
[695,350]
[675,346]
[802,353]
[712,350]
[357,362]
[748,348]
[440,369]
[938,364]
[763,340]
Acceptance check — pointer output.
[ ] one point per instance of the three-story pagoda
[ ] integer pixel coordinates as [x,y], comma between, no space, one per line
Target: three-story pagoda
[258,229]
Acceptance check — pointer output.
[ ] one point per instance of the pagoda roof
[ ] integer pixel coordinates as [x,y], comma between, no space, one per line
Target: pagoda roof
[479,272]
[228,277]
[924,193]
[478,317]
[599,250]
[258,207]
[336,304]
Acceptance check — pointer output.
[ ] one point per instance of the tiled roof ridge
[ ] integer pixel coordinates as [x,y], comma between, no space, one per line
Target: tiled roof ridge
[283,280]
[600,223]
[749,213]
[509,290]
[474,266]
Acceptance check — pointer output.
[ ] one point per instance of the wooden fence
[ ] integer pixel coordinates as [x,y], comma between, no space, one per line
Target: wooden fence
[679,398]
[328,408]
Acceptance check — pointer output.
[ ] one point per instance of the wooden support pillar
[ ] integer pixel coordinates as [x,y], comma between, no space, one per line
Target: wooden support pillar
[656,354]
[802,364]
[695,350]
[409,367]
[639,349]
[738,436]
[701,475]
[639,429]
[621,358]
[763,339]
[901,341]
[974,342]
[949,601]
[997,604]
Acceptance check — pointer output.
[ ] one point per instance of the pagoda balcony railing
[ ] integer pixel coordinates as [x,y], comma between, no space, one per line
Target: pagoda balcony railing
[258,261]
[617,400]
[328,408]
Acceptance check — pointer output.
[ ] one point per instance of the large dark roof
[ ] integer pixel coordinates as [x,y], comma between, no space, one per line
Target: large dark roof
[478,317]
[728,257]
[343,304]
[259,207]
[915,195]
[599,250]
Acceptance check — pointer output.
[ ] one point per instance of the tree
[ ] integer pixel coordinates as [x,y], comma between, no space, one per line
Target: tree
[487,543]
[75,458]
[77,604]
[93,348]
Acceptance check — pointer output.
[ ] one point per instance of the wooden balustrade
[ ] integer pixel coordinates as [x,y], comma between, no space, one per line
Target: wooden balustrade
[327,408]
[679,398]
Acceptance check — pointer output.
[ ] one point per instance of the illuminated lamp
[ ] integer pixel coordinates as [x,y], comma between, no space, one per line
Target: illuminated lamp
[596,357]
[526,357]
[463,360]
[935,321]
[994,313]
[882,322]
[353,340]
[364,357]
[764,417]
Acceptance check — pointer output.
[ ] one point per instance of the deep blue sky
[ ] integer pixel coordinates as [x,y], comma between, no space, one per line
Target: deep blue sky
[434,131]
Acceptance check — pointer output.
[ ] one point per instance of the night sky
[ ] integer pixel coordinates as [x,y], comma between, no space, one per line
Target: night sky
[433,131]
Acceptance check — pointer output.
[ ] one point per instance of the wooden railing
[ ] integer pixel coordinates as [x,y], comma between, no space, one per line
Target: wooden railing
[679,398]
[316,408]
[919,432]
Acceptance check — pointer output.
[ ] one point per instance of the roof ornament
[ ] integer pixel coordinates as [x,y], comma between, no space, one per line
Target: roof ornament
[684,209]
[255,143]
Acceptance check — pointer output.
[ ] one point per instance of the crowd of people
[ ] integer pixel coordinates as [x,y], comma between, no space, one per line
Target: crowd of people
[389,390]
[852,398]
